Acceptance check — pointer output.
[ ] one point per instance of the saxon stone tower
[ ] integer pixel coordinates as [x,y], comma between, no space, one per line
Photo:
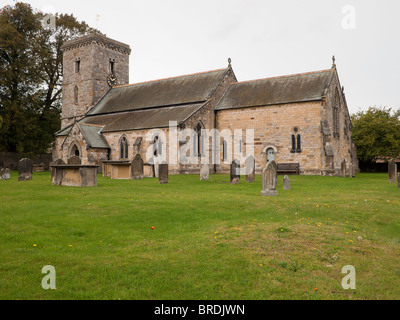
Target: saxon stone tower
[91,66]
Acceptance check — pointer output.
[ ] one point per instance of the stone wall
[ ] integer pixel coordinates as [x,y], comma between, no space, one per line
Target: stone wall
[11,160]
[273,128]
[341,144]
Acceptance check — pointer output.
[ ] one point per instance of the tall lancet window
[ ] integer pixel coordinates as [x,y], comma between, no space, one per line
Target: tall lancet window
[123,148]
[336,114]
[198,143]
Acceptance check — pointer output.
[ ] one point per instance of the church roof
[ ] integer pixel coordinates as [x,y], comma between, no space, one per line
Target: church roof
[93,136]
[142,119]
[176,91]
[278,90]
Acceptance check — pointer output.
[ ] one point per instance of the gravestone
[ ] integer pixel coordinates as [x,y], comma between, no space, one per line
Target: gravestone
[235,172]
[352,173]
[250,169]
[25,169]
[163,173]
[137,167]
[269,180]
[5,174]
[286,183]
[392,168]
[75,160]
[343,169]
[205,172]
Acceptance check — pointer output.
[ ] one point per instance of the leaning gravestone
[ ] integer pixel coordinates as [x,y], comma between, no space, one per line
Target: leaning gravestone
[5,174]
[205,172]
[137,167]
[250,169]
[235,172]
[286,183]
[269,180]
[392,168]
[163,173]
[25,169]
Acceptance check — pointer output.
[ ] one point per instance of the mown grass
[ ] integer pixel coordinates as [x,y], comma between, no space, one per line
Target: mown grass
[212,240]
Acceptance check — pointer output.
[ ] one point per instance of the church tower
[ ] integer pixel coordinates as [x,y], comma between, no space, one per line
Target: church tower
[92,64]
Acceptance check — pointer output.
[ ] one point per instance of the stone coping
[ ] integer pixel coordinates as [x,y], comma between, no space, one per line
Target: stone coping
[73,166]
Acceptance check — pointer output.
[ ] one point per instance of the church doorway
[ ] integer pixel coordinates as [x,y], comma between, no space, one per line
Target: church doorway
[270,155]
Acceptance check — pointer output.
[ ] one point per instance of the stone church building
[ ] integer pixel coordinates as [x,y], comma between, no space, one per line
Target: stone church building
[300,121]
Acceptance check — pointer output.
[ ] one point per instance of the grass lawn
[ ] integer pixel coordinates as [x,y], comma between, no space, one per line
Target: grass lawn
[212,240]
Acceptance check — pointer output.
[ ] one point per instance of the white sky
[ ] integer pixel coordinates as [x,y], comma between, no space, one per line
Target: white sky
[264,38]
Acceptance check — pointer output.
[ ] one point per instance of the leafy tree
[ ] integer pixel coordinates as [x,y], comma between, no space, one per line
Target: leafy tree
[376,133]
[31,76]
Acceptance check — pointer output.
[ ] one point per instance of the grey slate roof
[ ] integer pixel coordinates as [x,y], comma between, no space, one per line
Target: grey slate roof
[93,136]
[183,90]
[278,90]
[142,119]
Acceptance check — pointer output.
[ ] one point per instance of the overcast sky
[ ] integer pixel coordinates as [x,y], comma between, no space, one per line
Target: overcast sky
[263,38]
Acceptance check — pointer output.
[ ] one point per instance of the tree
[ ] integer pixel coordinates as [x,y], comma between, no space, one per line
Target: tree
[31,76]
[376,133]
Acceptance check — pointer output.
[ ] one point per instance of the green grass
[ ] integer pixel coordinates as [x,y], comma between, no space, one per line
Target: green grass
[212,240]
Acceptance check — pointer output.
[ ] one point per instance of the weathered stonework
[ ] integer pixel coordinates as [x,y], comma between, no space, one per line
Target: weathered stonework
[93,53]
[320,127]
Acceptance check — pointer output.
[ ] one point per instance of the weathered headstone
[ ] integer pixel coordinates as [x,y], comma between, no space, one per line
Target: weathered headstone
[286,183]
[250,169]
[163,173]
[205,172]
[392,168]
[25,169]
[269,180]
[5,174]
[352,173]
[235,172]
[137,167]
[343,169]
[75,160]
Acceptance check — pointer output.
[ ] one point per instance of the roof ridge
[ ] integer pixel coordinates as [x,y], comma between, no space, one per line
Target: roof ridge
[168,78]
[284,76]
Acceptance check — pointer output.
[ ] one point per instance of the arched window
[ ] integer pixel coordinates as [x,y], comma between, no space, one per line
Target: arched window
[198,141]
[336,114]
[225,151]
[75,151]
[296,142]
[76,95]
[157,146]
[123,148]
